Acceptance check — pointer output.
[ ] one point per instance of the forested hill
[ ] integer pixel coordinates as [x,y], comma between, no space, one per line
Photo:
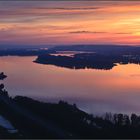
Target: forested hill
[33,119]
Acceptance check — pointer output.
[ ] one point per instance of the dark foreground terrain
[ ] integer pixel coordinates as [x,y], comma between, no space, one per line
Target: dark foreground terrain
[34,119]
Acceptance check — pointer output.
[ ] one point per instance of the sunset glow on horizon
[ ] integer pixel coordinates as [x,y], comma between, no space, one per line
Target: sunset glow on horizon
[62,22]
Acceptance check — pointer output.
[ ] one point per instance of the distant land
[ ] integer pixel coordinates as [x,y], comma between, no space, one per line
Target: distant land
[38,50]
[102,49]
[21,46]
[23,52]
[84,56]
[90,56]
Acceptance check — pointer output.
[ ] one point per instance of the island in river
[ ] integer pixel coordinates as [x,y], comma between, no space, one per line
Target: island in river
[88,60]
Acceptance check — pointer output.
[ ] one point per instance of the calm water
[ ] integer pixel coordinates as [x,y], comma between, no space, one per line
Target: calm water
[95,91]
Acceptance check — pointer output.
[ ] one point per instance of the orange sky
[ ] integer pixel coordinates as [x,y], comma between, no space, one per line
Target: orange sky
[70,22]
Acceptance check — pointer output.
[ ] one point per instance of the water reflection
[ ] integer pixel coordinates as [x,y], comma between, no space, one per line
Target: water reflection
[95,91]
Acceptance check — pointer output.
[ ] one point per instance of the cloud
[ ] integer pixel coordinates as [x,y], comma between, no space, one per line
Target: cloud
[96,32]
[86,32]
[122,33]
[69,8]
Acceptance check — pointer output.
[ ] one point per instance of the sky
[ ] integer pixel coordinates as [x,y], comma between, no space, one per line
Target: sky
[77,22]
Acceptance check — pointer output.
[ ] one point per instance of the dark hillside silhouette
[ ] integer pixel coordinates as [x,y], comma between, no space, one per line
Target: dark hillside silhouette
[34,119]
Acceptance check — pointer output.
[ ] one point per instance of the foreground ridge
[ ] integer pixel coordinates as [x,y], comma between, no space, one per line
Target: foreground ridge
[34,119]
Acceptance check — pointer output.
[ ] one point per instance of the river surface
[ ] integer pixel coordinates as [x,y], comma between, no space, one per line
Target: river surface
[94,91]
